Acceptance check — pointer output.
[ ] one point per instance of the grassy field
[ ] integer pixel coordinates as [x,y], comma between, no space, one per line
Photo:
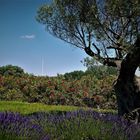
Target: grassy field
[28,108]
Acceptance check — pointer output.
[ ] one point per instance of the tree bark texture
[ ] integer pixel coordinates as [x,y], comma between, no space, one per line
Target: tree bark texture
[126,87]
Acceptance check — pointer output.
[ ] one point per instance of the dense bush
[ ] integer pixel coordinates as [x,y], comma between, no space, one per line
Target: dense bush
[88,91]
[90,88]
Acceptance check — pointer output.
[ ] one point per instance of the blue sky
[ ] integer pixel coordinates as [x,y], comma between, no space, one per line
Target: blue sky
[24,42]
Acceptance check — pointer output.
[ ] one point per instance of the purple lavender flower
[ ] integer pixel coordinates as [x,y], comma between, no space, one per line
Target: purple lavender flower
[58,126]
[18,125]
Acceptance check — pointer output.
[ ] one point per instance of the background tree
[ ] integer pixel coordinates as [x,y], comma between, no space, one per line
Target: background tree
[98,70]
[75,75]
[108,31]
[11,70]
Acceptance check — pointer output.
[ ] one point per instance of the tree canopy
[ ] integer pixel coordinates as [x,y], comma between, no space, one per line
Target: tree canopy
[11,70]
[105,29]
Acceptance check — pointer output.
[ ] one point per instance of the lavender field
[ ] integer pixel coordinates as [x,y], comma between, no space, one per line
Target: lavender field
[71,125]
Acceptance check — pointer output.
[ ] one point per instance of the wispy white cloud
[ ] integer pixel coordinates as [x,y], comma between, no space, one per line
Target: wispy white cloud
[28,36]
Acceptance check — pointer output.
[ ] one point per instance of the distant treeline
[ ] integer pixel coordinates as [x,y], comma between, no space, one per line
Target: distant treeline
[98,71]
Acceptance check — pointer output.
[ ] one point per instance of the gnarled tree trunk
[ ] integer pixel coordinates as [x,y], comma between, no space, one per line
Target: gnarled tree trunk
[128,97]
[126,87]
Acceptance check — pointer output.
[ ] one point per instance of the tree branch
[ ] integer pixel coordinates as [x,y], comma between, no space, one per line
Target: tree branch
[98,50]
[115,47]
[114,62]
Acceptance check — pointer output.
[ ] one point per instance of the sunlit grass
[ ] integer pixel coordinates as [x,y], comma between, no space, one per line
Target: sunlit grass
[28,108]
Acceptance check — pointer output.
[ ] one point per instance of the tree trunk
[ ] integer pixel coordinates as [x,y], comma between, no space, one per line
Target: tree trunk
[128,96]
[126,88]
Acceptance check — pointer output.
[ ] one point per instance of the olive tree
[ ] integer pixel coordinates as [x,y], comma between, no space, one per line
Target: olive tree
[108,31]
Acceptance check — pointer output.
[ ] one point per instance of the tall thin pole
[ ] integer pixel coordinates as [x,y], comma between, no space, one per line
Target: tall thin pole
[42,66]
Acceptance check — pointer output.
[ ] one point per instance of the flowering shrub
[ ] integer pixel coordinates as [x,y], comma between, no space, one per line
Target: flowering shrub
[87,91]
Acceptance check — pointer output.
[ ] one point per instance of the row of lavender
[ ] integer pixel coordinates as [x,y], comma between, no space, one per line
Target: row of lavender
[76,125]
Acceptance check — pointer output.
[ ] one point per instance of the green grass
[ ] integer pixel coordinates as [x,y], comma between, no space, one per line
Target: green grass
[10,137]
[28,108]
